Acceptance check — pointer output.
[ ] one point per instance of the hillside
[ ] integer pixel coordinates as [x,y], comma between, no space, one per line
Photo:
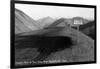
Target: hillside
[62,22]
[24,23]
[88,29]
[59,22]
[82,51]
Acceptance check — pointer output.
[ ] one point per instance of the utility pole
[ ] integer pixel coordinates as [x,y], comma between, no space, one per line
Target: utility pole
[77,34]
[78,23]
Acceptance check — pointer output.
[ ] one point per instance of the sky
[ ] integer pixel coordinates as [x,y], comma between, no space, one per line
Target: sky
[40,11]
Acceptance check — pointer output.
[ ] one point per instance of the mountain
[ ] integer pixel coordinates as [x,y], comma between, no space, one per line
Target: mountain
[44,22]
[63,22]
[57,22]
[88,27]
[82,51]
[24,23]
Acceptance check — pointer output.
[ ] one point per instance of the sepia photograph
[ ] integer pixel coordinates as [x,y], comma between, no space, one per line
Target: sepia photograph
[50,34]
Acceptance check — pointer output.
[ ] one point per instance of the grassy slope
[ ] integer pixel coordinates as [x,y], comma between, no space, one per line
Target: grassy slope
[83,51]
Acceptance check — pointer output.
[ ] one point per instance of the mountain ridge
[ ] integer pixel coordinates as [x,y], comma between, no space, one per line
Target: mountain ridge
[24,23]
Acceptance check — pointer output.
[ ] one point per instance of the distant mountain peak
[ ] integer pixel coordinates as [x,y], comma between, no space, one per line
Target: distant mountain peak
[48,17]
[45,21]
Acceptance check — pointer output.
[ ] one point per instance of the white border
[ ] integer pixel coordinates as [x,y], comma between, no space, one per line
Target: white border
[5,34]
